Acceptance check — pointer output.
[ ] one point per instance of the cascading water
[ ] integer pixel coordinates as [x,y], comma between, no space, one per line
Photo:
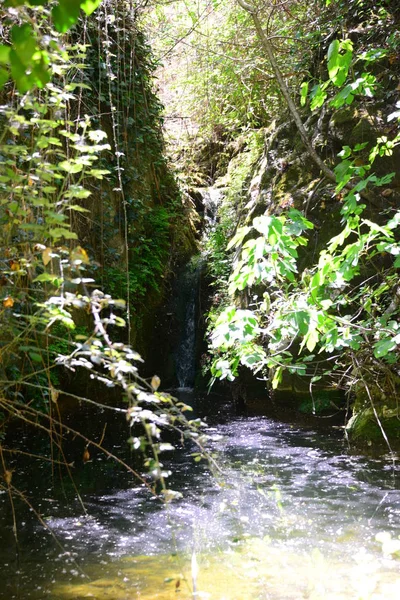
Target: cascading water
[185,356]
[188,292]
[211,199]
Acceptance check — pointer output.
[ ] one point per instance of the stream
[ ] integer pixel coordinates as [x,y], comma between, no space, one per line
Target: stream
[292,515]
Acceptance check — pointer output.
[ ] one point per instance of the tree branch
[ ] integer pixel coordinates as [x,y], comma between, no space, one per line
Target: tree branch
[265,41]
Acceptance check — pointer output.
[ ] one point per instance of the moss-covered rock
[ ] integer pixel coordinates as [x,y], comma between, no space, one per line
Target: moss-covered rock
[368,427]
[376,415]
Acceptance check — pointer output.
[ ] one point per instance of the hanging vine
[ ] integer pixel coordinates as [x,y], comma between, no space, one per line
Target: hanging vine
[82,180]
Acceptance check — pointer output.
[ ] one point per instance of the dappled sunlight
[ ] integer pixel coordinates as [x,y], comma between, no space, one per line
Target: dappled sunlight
[255,569]
[263,264]
[290,517]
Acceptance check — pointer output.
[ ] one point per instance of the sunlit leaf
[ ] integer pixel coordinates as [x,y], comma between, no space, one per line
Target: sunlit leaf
[303,93]
[4,54]
[8,302]
[155,382]
[89,6]
[311,339]
[170,495]
[46,256]
[48,277]
[277,377]
[60,232]
[79,255]
[70,166]
[318,96]
[54,394]
[383,347]
[165,446]
[65,14]
[98,173]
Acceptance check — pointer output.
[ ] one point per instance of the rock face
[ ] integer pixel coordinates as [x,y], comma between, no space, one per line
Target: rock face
[283,176]
[141,227]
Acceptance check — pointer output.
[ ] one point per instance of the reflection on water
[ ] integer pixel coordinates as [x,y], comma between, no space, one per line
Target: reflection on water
[292,517]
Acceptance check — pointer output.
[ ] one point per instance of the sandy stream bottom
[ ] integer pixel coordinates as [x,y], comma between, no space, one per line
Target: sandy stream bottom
[253,571]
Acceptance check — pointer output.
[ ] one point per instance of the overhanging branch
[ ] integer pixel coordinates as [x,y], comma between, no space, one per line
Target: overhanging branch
[265,41]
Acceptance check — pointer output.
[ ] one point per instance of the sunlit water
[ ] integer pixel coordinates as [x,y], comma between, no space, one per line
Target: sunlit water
[291,516]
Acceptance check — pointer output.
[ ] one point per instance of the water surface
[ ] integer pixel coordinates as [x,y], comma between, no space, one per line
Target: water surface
[291,515]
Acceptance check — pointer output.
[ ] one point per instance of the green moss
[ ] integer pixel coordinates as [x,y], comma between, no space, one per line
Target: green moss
[344,115]
[320,402]
[362,130]
[363,426]
[146,258]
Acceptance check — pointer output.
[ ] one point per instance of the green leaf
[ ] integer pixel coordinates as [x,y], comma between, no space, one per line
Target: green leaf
[60,232]
[98,173]
[383,347]
[359,147]
[333,58]
[277,377]
[5,54]
[48,277]
[316,281]
[303,93]
[77,208]
[3,77]
[70,167]
[24,42]
[35,357]
[311,339]
[338,64]
[77,191]
[345,96]
[343,172]
[333,51]
[373,54]
[29,64]
[318,97]
[302,319]
[65,14]
[89,6]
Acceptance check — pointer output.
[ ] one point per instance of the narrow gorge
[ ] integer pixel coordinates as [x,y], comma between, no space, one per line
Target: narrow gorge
[200,308]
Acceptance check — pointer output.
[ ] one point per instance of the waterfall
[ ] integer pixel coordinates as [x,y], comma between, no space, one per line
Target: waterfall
[211,199]
[188,293]
[185,355]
